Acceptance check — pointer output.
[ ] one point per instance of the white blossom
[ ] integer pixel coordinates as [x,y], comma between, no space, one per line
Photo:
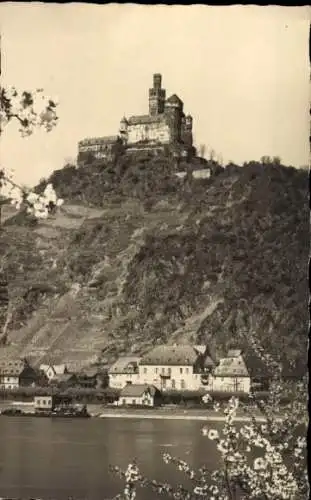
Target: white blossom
[259,463]
[213,434]
[38,205]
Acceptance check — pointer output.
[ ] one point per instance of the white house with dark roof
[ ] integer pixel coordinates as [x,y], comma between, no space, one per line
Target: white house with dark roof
[230,374]
[124,371]
[15,373]
[177,367]
[139,394]
[53,371]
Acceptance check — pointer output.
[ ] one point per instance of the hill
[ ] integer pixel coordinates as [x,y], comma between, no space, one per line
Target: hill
[138,256]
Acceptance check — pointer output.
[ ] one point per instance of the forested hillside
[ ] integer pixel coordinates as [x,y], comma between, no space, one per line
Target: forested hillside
[138,256]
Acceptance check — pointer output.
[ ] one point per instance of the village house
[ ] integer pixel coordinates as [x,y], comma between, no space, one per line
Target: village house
[52,371]
[124,371]
[230,374]
[64,381]
[179,367]
[140,395]
[89,378]
[17,373]
[45,403]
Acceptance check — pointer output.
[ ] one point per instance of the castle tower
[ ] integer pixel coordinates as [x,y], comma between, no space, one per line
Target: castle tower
[156,96]
[174,113]
[187,132]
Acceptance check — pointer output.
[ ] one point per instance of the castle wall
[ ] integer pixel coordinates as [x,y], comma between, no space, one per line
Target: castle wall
[98,149]
[153,132]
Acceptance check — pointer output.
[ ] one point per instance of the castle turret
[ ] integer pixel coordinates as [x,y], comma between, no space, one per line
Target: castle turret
[174,113]
[187,137]
[188,122]
[156,96]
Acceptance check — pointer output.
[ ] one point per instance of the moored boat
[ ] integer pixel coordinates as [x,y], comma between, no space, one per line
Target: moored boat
[68,412]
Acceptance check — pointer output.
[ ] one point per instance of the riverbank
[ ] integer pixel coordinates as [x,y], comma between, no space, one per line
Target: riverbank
[166,414]
[161,413]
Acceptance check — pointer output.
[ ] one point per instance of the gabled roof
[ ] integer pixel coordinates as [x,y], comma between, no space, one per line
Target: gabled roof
[200,348]
[64,377]
[57,369]
[171,355]
[174,99]
[231,367]
[137,390]
[125,364]
[60,369]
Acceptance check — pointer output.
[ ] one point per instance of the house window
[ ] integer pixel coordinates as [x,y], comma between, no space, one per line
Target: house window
[180,370]
[163,370]
[43,401]
[145,371]
[173,384]
[156,370]
[169,371]
[124,401]
[134,401]
[187,370]
[39,401]
[182,384]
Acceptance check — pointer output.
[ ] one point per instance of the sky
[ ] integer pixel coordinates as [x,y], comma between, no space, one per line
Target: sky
[241,71]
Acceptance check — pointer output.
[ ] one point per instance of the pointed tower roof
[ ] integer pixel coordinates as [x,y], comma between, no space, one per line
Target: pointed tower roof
[174,99]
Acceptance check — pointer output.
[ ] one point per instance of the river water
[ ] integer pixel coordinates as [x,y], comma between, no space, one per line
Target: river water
[61,458]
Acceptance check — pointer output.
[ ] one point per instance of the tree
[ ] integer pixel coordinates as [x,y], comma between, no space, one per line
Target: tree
[31,110]
[260,461]
[265,160]
[276,160]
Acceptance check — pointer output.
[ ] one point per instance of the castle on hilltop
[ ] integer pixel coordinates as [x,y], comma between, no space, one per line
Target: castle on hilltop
[165,129]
